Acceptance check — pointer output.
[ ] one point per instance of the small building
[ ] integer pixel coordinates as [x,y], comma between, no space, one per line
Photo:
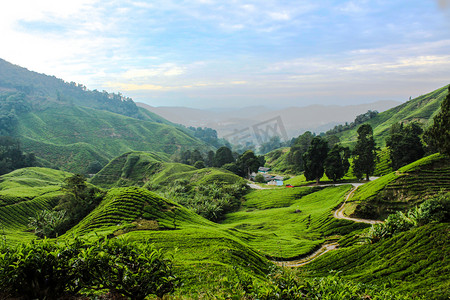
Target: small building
[263,170]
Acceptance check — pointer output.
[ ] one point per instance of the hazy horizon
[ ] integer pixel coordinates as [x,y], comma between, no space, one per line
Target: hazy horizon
[210,54]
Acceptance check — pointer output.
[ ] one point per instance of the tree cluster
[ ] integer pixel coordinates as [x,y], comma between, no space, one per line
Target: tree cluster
[11,105]
[298,149]
[208,135]
[364,153]
[370,114]
[242,165]
[438,135]
[12,156]
[79,199]
[273,143]
[405,144]
[319,158]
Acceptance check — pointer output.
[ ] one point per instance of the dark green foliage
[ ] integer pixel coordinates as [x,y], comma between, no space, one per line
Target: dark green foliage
[12,157]
[370,114]
[299,147]
[211,201]
[42,270]
[94,167]
[47,270]
[438,135]
[133,269]
[79,198]
[434,210]
[414,262]
[48,223]
[364,152]
[405,144]
[199,164]
[314,158]
[248,163]
[259,178]
[272,144]
[336,164]
[189,157]
[223,156]
[208,135]
[11,105]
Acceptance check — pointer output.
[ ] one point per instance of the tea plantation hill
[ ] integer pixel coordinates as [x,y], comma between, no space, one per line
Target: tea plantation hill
[421,109]
[71,137]
[68,126]
[153,170]
[277,223]
[402,189]
[414,262]
[24,192]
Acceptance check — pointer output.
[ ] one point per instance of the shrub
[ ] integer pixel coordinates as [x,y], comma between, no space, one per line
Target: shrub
[128,268]
[42,270]
[47,270]
[260,178]
[48,223]
[436,209]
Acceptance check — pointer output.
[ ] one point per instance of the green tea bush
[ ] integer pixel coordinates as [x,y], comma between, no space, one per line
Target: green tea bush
[436,209]
[42,270]
[48,270]
[210,200]
[128,268]
[283,283]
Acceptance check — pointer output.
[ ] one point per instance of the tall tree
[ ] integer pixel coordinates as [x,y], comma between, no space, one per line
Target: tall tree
[298,148]
[223,156]
[314,159]
[248,162]
[364,152]
[336,163]
[12,157]
[438,135]
[405,144]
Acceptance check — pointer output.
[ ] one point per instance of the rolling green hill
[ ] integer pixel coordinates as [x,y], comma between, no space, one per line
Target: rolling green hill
[402,189]
[421,109]
[68,126]
[23,193]
[414,261]
[71,137]
[150,169]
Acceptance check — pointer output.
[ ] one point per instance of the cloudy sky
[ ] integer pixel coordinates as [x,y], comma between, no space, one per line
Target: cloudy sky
[214,53]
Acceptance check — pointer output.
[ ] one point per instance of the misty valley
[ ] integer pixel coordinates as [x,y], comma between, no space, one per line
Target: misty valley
[104,198]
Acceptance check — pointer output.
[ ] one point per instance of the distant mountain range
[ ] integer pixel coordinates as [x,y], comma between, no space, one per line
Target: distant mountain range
[296,120]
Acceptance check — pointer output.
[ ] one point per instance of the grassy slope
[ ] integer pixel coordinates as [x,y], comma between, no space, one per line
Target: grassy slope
[283,224]
[71,137]
[402,189]
[144,169]
[202,250]
[415,261]
[421,109]
[23,192]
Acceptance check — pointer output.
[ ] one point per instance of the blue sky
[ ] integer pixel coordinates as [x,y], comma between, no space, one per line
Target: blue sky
[208,53]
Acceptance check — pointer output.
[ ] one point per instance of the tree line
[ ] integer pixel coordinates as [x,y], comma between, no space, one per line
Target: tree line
[370,114]
[407,142]
[242,165]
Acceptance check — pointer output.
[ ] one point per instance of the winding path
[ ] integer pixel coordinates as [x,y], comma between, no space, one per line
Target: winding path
[338,214]
[301,262]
